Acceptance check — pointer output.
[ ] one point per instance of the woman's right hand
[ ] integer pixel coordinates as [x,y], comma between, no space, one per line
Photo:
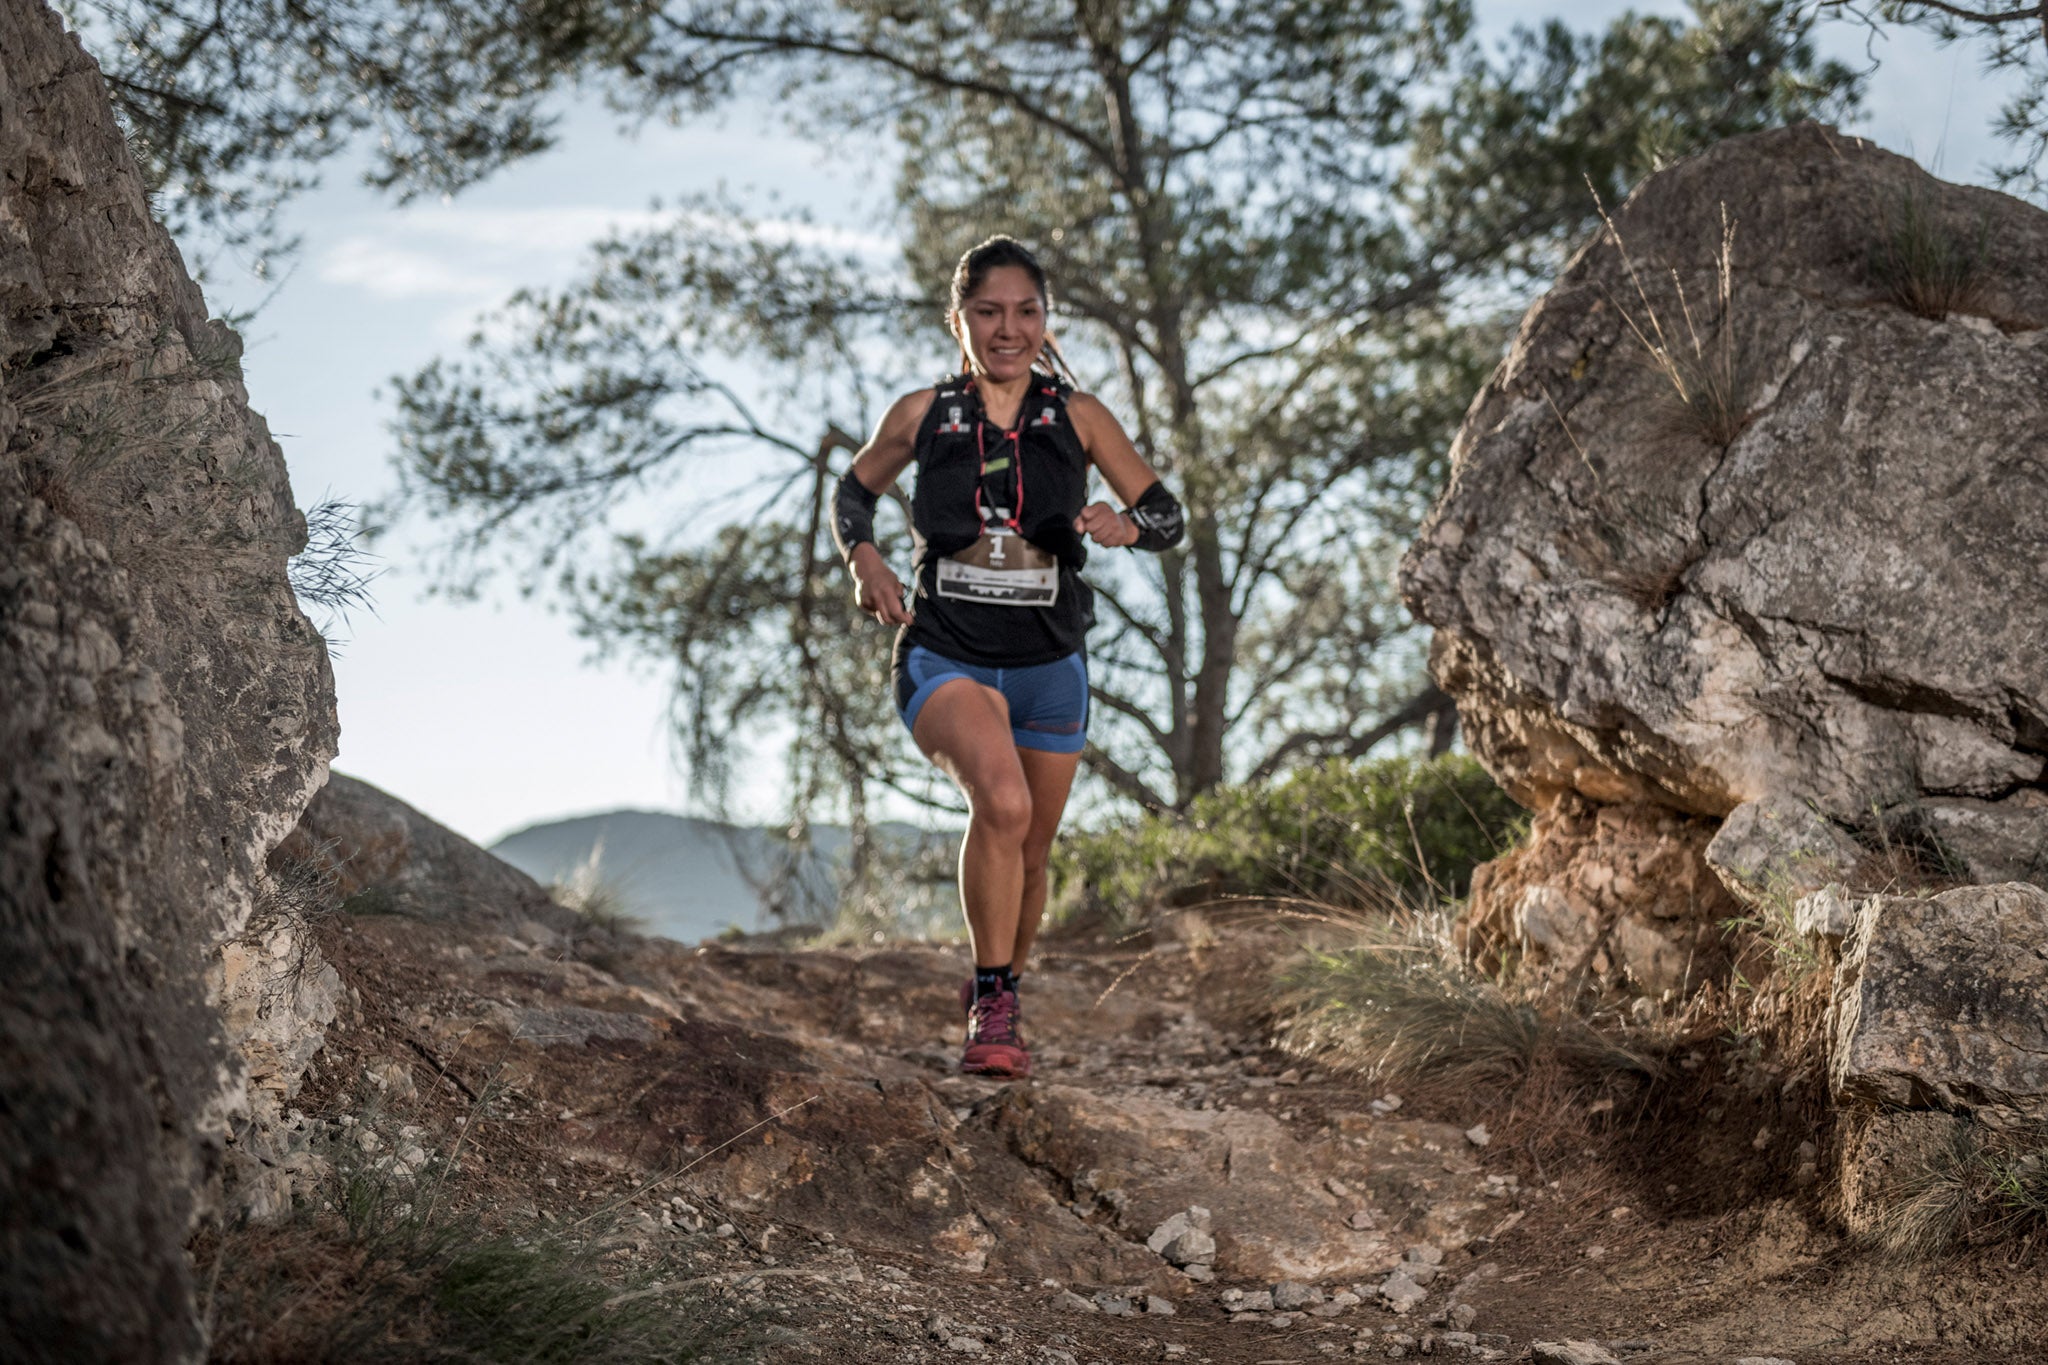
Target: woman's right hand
[877,591]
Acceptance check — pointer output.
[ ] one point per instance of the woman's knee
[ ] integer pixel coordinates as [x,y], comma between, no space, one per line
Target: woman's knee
[1003,808]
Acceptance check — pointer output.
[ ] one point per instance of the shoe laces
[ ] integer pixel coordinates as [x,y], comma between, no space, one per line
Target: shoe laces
[993,1019]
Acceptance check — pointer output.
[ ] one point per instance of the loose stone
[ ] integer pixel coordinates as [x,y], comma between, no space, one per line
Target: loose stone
[1570,1353]
[1402,1293]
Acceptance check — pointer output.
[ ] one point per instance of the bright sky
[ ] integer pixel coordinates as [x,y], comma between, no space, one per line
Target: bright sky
[488,715]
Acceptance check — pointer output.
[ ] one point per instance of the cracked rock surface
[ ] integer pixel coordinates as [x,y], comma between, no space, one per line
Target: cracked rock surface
[165,713]
[1943,1001]
[1841,603]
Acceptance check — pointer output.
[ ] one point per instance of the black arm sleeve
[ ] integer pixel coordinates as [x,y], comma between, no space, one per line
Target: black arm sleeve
[853,516]
[1158,517]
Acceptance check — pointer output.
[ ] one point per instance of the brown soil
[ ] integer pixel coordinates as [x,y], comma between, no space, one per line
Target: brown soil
[882,1208]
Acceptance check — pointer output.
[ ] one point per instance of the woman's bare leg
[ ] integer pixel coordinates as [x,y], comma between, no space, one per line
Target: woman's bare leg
[1050,778]
[965,729]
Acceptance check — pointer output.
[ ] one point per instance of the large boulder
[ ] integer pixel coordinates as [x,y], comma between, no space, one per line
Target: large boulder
[165,713]
[380,855]
[1827,588]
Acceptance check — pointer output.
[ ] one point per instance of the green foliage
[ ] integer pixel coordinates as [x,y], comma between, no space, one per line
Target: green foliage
[1284,240]
[1391,1008]
[231,105]
[1360,833]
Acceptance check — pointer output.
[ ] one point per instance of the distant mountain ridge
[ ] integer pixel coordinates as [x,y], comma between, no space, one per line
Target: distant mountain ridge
[691,878]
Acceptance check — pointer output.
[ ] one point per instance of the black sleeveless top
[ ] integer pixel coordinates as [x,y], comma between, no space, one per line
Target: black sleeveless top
[1043,485]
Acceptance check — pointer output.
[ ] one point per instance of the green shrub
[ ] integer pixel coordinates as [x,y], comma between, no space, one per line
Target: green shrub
[1350,833]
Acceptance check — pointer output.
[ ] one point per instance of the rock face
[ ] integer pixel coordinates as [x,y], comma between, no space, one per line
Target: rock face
[1832,591]
[165,713]
[399,861]
[1777,849]
[1942,1002]
[1612,892]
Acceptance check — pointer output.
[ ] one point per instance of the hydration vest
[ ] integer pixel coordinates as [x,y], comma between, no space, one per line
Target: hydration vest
[1033,479]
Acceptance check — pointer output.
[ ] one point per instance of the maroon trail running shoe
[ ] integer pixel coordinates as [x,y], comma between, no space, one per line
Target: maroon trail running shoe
[993,1045]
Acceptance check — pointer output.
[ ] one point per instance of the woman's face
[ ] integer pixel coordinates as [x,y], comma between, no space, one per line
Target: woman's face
[1001,326]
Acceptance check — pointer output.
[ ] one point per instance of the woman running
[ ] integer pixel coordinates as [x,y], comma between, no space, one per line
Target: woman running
[990,673]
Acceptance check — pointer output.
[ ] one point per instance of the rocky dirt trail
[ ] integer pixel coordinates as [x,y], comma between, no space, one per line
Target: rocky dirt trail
[783,1131]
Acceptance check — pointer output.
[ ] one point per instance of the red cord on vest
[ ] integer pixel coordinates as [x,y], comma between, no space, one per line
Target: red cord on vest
[1016,518]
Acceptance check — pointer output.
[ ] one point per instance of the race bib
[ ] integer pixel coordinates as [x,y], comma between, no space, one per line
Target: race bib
[1001,569]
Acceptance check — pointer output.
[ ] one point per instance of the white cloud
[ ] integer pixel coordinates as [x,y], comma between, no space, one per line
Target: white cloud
[480,254]
[394,271]
[524,231]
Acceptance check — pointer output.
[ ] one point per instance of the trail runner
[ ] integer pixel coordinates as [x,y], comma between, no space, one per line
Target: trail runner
[990,669]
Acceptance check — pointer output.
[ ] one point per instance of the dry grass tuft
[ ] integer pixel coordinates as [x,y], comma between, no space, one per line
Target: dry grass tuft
[1981,1186]
[1708,372]
[375,1269]
[1393,1006]
[1925,266]
[332,575]
[597,897]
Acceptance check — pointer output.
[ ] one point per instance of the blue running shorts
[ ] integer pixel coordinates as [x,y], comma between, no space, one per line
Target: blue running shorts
[1048,702]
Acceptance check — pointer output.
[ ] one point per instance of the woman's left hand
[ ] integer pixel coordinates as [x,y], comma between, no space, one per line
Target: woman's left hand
[1106,526]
